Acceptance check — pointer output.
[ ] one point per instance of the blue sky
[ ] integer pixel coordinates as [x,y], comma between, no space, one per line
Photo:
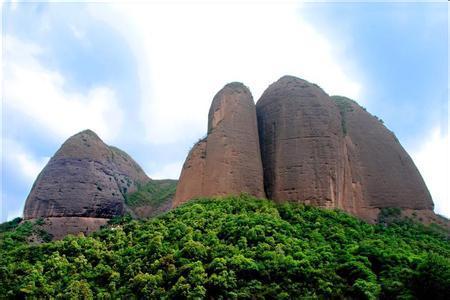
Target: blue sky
[143,75]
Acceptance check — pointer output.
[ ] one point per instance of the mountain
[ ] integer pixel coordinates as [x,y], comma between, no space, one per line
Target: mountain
[85,184]
[228,160]
[232,248]
[313,149]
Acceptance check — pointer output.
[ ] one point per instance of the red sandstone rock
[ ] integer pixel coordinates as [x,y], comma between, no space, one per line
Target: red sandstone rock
[190,184]
[301,143]
[228,161]
[380,167]
[332,153]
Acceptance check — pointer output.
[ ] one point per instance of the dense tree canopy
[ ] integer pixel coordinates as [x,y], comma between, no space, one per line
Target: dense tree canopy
[236,247]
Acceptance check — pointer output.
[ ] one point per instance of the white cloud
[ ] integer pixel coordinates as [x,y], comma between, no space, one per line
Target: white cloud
[187,52]
[171,170]
[16,159]
[26,163]
[432,159]
[39,95]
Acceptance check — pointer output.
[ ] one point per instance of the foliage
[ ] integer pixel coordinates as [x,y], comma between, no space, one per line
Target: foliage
[233,247]
[8,226]
[389,215]
[155,192]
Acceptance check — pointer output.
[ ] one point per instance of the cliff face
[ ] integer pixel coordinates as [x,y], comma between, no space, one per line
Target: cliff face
[228,161]
[315,149]
[300,136]
[381,170]
[190,184]
[85,178]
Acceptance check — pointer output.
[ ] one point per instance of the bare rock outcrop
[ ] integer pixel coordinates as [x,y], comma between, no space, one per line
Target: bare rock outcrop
[85,178]
[228,161]
[382,172]
[330,152]
[190,184]
[300,136]
[315,149]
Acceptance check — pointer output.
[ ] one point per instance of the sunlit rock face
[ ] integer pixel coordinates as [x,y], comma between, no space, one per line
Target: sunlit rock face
[85,178]
[228,160]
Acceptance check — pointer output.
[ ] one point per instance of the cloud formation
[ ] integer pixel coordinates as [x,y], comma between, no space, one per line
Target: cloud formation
[40,95]
[433,162]
[188,52]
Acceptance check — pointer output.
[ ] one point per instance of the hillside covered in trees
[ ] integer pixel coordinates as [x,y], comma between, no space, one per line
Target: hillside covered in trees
[229,248]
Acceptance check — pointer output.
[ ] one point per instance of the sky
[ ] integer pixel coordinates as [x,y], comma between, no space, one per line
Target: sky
[143,75]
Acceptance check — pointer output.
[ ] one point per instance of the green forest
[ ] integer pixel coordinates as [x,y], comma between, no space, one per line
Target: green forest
[235,247]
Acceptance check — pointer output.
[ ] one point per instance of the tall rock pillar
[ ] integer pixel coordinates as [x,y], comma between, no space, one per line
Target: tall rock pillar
[228,161]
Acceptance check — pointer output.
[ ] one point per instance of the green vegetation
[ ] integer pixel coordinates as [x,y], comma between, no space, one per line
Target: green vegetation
[8,226]
[154,192]
[230,248]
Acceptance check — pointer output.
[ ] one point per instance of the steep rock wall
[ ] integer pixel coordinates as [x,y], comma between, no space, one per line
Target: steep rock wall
[228,161]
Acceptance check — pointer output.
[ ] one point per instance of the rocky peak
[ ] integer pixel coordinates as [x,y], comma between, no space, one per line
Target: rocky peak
[315,149]
[300,135]
[228,161]
[85,178]
[230,97]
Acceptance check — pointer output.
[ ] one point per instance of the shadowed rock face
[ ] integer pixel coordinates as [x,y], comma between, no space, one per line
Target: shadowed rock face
[85,178]
[379,165]
[228,161]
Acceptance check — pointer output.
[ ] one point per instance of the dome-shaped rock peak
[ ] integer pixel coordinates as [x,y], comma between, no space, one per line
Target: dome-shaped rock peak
[228,161]
[301,143]
[379,167]
[85,178]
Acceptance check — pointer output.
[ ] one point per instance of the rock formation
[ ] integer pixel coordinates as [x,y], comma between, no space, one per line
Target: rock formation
[84,179]
[382,172]
[300,136]
[332,153]
[228,160]
[297,144]
[315,149]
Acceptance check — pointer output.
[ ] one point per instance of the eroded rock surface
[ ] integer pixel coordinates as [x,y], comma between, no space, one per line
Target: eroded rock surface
[330,152]
[85,178]
[301,143]
[190,184]
[315,149]
[228,161]
[381,170]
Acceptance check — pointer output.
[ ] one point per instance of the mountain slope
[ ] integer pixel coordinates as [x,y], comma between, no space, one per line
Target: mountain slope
[234,247]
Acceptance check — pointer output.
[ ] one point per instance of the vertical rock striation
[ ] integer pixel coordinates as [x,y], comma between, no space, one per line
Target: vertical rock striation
[381,170]
[228,160]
